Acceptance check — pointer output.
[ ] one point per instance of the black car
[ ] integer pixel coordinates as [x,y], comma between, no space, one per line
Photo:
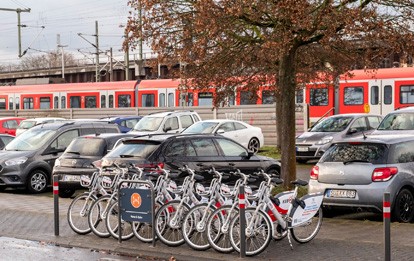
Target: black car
[28,160]
[78,158]
[198,151]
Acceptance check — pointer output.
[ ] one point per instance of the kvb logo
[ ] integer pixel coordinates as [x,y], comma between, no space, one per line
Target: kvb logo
[136,200]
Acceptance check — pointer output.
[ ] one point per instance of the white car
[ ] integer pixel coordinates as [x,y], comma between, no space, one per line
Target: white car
[249,136]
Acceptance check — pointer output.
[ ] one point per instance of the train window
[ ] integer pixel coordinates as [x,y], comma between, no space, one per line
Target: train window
[353,95]
[406,94]
[205,99]
[11,104]
[374,95]
[388,94]
[268,97]
[111,101]
[90,102]
[247,98]
[124,101]
[161,100]
[103,101]
[319,96]
[27,103]
[75,102]
[171,100]
[147,100]
[2,103]
[44,103]
[56,102]
[17,103]
[63,102]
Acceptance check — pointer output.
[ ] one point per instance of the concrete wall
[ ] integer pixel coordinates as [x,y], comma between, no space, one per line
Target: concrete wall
[263,116]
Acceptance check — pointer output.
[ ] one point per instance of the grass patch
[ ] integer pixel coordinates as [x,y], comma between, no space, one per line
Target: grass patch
[301,192]
[270,151]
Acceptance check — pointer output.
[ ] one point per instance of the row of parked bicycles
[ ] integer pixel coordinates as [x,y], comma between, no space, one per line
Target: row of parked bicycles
[201,216]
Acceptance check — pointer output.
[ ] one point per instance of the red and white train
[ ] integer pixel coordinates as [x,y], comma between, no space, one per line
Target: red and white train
[379,93]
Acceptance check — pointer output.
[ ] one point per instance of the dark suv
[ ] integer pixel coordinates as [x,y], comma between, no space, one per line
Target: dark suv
[198,151]
[78,158]
[28,160]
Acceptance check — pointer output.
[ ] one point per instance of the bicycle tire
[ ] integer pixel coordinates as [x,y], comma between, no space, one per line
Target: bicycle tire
[96,217]
[168,234]
[112,223]
[217,236]
[260,237]
[306,232]
[143,231]
[78,221]
[194,233]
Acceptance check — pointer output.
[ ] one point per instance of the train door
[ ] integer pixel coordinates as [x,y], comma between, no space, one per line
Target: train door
[103,96]
[110,99]
[10,104]
[56,100]
[381,96]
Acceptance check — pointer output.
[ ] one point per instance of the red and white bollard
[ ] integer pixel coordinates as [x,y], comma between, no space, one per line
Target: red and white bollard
[242,206]
[386,209]
[56,203]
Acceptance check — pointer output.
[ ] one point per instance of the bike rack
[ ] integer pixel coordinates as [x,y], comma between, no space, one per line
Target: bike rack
[152,207]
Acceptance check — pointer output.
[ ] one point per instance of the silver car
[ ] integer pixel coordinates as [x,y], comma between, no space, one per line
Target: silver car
[356,174]
[312,144]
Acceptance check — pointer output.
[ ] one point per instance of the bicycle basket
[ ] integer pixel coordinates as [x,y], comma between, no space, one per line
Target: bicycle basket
[85,181]
[106,182]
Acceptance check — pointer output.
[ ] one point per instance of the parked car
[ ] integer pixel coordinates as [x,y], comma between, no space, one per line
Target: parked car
[126,123]
[26,124]
[356,173]
[165,122]
[247,135]
[78,158]
[28,160]
[198,151]
[8,125]
[397,122]
[5,139]
[313,143]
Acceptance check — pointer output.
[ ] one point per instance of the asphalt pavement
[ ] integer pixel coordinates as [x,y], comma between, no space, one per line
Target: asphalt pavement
[342,238]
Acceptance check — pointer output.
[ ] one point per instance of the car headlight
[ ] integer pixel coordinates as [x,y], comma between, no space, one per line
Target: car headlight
[325,140]
[16,161]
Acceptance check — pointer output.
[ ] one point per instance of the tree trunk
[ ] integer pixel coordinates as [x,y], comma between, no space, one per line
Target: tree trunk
[287,84]
[278,116]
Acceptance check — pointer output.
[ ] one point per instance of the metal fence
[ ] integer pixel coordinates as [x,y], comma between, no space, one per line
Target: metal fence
[263,116]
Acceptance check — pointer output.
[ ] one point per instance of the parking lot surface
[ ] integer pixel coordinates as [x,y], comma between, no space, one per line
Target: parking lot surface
[358,238]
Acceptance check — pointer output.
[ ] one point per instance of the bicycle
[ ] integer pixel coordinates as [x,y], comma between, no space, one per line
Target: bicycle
[302,215]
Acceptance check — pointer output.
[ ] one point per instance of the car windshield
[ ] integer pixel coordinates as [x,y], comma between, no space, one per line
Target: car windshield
[134,149]
[32,139]
[333,124]
[148,124]
[26,124]
[356,152]
[87,147]
[201,127]
[400,121]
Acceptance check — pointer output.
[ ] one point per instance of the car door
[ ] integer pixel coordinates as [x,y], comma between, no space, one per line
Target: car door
[229,131]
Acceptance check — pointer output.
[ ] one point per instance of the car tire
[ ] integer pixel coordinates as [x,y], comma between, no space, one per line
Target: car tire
[66,193]
[37,181]
[254,145]
[404,206]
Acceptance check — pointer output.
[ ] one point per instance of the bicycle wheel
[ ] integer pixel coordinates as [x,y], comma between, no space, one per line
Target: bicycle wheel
[258,232]
[194,226]
[218,225]
[97,215]
[168,222]
[307,231]
[143,231]
[112,223]
[78,213]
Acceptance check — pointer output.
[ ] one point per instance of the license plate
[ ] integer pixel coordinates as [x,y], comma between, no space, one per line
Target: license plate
[302,148]
[71,178]
[340,193]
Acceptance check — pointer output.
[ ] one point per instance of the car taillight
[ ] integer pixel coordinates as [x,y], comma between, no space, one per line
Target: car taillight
[152,166]
[383,174]
[314,174]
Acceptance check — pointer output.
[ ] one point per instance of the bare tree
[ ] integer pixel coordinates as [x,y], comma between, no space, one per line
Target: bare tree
[47,60]
[279,43]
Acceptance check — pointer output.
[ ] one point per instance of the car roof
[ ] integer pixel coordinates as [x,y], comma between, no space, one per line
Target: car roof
[60,124]
[107,135]
[385,138]
[221,120]
[354,115]
[12,118]
[111,118]
[167,113]
[404,109]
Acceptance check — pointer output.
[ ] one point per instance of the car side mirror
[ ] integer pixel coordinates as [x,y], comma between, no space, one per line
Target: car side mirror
[220,131]
[167,128]
[249,154]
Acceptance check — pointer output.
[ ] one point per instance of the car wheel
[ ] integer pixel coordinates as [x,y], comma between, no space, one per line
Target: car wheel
[66,193]
[254,145]
[404,206]
[37,181]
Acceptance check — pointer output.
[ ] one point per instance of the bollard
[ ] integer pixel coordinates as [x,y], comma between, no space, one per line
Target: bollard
[387,226]
[56,203]
[242,205]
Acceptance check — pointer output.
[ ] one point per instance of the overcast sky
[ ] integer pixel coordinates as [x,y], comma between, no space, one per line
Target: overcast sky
[64,17]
